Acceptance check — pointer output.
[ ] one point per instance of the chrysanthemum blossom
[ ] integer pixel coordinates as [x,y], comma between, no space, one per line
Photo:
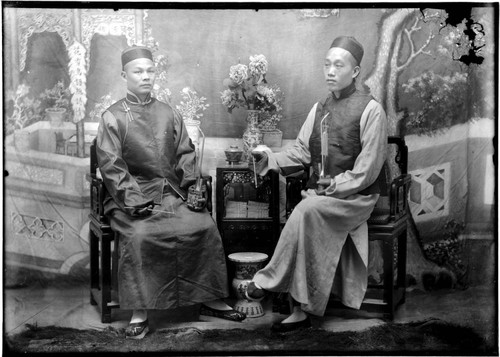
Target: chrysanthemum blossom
[258,65]
[227,97]
[238,73]
[267,93]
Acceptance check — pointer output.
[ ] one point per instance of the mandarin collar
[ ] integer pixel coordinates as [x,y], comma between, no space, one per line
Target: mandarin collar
[346,92]
[133,99]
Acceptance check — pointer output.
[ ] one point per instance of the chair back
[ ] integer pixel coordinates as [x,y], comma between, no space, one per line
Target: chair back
[392,204]
[400,186]
[97,188]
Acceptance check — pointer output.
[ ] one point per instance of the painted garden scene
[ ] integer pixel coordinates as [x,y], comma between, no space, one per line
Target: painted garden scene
[347,206]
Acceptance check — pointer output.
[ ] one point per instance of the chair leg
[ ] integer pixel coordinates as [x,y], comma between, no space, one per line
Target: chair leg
[388,255]
[402,246]
[114,264]
[106,316]
[106,279]
[94,264]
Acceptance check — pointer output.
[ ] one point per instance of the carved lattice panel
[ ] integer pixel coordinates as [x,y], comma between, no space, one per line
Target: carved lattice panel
[430,191]
[37,228]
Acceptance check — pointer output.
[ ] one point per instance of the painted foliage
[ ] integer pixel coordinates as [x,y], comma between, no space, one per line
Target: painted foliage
[430,73]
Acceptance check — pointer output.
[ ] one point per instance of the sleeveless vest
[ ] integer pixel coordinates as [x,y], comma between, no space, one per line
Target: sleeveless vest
[344,143]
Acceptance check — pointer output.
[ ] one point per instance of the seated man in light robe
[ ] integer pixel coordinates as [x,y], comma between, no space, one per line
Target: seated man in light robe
[323,247]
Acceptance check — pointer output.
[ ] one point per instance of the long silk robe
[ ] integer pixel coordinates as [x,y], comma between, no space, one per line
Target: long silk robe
[314,257]
[171,258]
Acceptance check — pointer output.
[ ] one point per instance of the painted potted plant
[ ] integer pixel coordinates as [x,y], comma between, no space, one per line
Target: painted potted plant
[268,124]
[56,103]
[24,110]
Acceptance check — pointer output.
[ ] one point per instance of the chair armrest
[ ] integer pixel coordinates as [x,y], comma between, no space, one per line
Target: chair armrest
[208,183]
[97,196]
[398,196]
[295,183]
[402,154]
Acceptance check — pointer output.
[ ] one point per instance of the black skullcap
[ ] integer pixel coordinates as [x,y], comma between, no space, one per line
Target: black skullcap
[135,52]
[351,45]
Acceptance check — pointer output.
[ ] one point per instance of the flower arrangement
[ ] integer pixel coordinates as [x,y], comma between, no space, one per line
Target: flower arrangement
[247,87]
[191,104]
[56,97]
[269,120]
[25,110]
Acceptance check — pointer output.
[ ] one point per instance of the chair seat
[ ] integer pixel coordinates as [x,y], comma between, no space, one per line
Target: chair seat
[380,216]
[386,230]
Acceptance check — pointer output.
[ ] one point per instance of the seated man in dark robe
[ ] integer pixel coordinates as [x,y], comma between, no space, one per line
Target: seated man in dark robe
[170,256]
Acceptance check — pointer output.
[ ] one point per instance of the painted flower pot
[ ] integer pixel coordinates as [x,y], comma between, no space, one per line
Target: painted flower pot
[55,116]
[272,138]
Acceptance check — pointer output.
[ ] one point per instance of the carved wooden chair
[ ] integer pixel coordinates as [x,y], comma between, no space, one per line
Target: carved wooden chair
[104,244]
[387,224]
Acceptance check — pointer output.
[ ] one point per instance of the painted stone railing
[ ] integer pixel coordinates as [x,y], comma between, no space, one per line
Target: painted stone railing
[46,202]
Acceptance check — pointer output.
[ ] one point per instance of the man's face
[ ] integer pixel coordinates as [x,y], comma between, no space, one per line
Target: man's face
[140,76]
[340,69]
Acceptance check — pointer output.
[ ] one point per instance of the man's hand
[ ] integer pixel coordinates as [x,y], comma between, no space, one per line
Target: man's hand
[323,184]
[144,211]
[140,211]
[308,193]
[261,159]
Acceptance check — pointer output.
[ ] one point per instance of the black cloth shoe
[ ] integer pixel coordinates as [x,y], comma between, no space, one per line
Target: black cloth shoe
[254,293]
[137,330]
[231,315]
[280,327]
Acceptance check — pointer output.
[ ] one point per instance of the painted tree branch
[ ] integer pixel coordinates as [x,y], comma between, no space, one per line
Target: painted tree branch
[413,54]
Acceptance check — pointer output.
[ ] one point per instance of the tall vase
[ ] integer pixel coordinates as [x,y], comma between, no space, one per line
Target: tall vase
[252,136]
[193,129]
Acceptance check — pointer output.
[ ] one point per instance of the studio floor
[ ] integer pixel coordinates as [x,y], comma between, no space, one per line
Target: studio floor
[66,304]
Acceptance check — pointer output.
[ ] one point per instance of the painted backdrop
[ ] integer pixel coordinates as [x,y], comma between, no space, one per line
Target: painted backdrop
[432,69]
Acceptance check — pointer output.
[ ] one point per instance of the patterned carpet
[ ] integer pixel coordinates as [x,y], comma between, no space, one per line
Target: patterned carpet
[429,337]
